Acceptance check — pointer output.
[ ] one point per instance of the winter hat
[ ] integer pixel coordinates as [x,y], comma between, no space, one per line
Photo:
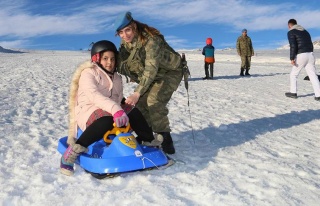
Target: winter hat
[208,41]
[244,30]
[123,20]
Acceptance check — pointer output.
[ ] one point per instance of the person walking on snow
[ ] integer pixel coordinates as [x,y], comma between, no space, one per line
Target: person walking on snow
[208,52]
[245,51]
[96,93]
[148,60]
[301,56]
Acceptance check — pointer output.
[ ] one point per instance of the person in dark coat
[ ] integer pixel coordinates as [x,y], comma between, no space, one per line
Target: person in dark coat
[301,56]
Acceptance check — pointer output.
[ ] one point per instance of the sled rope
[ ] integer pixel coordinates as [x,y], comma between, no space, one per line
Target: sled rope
[144,166]
[160,167]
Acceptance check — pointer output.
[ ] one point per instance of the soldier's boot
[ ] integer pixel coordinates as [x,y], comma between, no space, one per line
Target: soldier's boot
[247,72]
[241,72]
[167,144]
[69,157]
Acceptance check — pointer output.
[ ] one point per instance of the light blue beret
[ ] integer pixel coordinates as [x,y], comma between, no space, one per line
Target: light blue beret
[123,20]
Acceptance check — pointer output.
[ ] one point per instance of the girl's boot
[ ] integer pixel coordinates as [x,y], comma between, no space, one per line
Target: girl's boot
[69,157]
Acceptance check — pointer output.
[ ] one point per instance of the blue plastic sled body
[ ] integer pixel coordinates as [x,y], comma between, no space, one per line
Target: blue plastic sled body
[124,154]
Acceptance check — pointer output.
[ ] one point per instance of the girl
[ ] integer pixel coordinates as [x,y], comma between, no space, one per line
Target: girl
[96,93]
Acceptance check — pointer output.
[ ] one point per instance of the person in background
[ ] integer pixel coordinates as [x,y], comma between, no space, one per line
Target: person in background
[208,52]
[96,93]
[157,69]
[245,51]
[301,56]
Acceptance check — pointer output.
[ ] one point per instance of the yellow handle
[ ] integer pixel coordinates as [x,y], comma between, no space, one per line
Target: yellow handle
[115,130]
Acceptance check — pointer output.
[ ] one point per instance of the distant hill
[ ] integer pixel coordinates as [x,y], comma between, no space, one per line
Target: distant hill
[3,50]
[316,45]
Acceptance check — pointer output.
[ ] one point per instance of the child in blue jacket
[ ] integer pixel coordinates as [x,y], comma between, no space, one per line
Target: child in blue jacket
[208,52]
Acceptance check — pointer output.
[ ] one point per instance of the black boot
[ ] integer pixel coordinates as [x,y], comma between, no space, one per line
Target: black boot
[167,144]
[241,72]
[247,72]
[211,72]
[291,95]
[206,71]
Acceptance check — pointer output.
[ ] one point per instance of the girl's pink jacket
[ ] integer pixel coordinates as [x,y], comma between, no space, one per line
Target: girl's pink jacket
[91,89]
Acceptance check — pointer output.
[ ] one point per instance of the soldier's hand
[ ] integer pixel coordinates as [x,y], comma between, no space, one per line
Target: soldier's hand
[133,99]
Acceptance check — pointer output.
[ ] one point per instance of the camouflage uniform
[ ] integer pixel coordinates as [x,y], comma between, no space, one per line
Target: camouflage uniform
[245,50]
[157,69]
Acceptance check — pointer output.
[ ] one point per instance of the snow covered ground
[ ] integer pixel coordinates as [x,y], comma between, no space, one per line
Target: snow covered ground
[250,145]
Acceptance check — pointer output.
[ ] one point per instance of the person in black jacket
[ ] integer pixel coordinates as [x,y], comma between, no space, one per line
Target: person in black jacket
[301,56]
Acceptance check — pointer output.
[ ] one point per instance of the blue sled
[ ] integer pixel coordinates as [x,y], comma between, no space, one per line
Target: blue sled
[124,154]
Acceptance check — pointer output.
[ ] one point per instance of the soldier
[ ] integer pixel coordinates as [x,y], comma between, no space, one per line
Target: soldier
[245,51]
[157,69]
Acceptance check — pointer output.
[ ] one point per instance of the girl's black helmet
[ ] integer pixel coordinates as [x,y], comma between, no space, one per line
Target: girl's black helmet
[102,46]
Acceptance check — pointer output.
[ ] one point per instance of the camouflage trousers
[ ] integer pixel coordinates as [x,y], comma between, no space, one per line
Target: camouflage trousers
[153,104]
[245,62]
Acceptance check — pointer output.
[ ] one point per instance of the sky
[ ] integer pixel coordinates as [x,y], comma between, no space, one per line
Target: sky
[73,25]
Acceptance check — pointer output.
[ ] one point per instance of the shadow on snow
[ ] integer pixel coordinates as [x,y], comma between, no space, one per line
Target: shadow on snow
[210,140]
[235,76]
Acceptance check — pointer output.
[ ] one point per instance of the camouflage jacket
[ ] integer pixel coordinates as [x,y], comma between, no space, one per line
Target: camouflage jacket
[244,46]
[147,63]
